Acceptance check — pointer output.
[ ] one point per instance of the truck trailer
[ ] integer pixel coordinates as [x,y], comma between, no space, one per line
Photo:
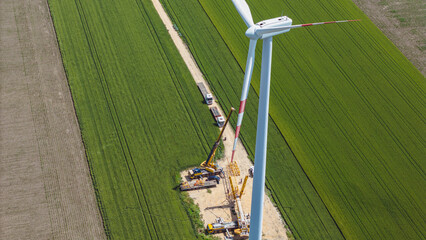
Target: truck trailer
[212,181]
[208,97]
[220,120]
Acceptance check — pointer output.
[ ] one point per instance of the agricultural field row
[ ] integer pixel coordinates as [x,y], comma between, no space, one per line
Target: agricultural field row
[346,142]
[140,113]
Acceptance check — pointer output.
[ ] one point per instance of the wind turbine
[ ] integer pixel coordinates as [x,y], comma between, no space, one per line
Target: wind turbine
[265,30]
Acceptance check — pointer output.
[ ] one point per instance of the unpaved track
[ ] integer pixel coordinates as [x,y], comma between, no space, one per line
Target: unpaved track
[214,204]
[46,190]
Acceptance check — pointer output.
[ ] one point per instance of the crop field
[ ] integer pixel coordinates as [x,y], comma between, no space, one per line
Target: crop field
[347,126]
[403,22]
[141,115]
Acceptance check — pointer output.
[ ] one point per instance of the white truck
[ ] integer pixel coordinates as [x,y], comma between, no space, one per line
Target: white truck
[208,97]
[220,120]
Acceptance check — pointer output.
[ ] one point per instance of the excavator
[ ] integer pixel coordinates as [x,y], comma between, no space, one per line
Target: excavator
[208,168]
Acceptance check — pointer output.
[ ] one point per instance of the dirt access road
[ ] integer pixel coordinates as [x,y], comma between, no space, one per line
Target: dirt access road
[214,204]
[45,187]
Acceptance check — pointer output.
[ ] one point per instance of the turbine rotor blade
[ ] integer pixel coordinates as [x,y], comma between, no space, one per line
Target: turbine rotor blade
[266,30]
[320,23]
[244,11]
[245,91]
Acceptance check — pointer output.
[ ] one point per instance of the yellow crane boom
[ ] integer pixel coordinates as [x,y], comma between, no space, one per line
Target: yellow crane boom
[208,162]
[243,187]
[242,219]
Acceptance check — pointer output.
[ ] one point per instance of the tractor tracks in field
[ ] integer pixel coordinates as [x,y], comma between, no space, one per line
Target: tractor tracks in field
[117,125]
[383,123]
[134,175]
[172,73]
[356,145]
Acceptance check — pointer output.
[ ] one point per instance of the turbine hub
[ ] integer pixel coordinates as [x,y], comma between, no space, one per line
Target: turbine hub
[251,32]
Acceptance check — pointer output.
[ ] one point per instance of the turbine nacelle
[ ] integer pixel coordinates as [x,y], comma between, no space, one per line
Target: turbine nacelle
[268,28]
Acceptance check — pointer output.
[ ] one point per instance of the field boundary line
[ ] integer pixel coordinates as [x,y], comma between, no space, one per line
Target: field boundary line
[89,164]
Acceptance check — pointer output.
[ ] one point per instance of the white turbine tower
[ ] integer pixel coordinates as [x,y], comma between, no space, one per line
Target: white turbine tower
[263,30]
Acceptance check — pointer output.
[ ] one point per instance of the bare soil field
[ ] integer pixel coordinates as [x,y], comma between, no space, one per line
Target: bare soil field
[46,189]
[404,23]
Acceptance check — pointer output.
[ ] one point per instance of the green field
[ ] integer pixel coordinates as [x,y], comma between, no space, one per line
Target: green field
[139,110]
[350,106]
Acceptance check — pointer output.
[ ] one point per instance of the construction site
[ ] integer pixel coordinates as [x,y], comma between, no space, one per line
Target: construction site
[121,120]
[222,188]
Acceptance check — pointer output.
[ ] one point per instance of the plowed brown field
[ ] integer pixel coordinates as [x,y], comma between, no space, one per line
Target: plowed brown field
[46,189]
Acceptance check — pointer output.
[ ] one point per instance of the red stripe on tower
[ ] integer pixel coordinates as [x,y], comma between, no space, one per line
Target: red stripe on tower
[308,24]
[329,22]
[237,131]
[242,106]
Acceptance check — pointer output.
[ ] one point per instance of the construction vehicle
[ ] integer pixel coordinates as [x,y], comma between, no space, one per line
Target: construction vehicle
[208,168]
[243,220]
[212,181]
[221,227]
[220,121]
[240,227]
[202,172]
[208,97]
